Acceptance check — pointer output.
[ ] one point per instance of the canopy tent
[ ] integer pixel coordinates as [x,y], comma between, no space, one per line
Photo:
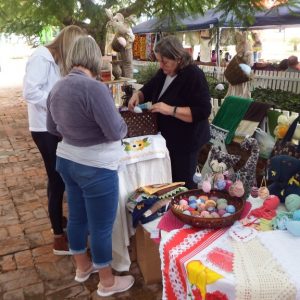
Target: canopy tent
[281,16]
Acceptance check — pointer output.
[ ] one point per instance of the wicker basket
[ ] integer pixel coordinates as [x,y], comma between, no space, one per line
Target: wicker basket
[140,123]
[209,222]
[234,74]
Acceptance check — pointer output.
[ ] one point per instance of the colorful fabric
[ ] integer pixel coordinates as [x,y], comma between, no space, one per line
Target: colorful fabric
[231,113]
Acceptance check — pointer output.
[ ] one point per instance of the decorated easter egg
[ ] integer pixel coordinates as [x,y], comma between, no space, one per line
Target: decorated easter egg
[206,186]
[197,177]
[230,209]
[263,192]
[228,184]
[193,205]
[187,212]
[201,207]
[183,202]
[220,184]
[221,201]
[204,214]
[226,215]
[221,212]
[214,215]
[192,198]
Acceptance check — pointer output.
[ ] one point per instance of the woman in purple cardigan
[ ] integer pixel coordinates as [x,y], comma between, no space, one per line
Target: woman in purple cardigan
[179,93]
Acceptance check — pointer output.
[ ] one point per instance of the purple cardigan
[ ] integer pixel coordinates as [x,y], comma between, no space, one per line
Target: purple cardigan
[82,111]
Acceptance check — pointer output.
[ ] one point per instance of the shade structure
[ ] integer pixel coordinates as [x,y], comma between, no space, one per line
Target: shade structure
[276,17]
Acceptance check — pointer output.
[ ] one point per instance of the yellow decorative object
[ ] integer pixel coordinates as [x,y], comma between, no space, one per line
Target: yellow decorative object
[200,276]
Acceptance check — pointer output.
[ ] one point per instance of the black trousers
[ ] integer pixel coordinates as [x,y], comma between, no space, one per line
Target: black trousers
[47,144]
[184,167]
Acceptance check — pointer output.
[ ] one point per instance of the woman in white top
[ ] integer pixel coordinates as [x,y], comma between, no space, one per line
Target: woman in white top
[44,68]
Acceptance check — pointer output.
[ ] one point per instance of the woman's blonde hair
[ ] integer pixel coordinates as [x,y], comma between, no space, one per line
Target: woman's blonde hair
[60,46]
[85,53]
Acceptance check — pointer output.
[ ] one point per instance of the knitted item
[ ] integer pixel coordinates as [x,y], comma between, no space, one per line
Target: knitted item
[230,114]
[268,209]
[258,275]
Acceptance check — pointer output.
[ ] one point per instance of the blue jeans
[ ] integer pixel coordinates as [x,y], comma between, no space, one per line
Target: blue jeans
[92,200]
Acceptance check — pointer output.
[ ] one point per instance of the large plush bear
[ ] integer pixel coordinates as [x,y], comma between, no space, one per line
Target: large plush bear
[284,173]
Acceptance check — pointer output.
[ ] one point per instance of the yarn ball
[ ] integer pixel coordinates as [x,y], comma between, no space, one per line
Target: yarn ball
[271,202]
[292,202]
[293,227]
[296,215]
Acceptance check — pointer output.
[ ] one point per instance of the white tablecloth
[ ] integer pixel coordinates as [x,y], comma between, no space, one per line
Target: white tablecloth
[148,170]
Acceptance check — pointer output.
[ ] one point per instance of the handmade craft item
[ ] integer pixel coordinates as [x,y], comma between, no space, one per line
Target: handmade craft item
[263,192]
[284,173]
[268,209]
[285,146]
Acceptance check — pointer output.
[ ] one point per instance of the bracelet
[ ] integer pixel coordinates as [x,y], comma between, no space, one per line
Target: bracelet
[174,111]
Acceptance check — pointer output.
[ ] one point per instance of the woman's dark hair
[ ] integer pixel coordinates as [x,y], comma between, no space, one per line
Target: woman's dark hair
[283,65]
[170,47]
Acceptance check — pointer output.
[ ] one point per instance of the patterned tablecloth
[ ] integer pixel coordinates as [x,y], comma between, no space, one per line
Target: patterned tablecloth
[145,161]
[210,264]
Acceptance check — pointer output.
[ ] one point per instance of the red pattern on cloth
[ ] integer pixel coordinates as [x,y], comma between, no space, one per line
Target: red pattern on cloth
[209,236]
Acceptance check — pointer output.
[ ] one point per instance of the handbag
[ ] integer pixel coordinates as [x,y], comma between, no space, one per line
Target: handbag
[234,74]
[285,146]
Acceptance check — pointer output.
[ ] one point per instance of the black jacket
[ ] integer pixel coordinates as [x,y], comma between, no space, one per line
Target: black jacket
[190,89]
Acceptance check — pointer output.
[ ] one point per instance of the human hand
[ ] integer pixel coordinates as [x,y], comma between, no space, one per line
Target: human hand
[162,108]
[134,100]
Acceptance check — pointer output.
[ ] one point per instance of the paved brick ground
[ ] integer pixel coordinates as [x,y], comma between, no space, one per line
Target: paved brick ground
[28,269]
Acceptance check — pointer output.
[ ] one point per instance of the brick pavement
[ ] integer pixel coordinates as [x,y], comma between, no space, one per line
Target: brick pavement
[28,269]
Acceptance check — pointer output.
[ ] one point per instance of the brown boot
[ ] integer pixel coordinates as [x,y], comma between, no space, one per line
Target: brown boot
[60,245]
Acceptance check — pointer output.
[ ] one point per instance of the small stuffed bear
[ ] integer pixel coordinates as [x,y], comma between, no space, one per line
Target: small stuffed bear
[284,172]
[221,161]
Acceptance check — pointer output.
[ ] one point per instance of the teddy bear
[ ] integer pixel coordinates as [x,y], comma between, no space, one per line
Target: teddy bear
[284,173]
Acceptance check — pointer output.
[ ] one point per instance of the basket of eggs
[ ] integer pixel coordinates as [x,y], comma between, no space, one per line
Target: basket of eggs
[215,209]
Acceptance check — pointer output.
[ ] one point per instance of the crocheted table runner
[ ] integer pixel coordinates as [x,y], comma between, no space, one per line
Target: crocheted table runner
[257,273]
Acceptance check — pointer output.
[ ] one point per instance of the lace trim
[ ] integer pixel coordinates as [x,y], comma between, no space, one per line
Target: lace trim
[258,275]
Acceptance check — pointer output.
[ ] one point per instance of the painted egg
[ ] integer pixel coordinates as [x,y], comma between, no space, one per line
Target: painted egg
[221,212]
[206,186]
[215,215]
[197,177]
[188,213]
[263,193]
[193,205]
[226,215]
[204,214]
[183,202]
[192,198]
[230,209]
[220,184]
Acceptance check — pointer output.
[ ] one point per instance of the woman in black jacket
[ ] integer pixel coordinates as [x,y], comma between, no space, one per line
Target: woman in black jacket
[179,93]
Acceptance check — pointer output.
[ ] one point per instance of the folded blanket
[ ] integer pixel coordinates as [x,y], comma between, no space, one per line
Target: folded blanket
[230,114]
[254,115]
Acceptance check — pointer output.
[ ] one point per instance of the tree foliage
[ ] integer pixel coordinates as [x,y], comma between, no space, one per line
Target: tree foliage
[29,17]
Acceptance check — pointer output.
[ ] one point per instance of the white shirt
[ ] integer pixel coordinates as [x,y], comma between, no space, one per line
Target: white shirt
[168,81]
[105,155]
[41,74]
